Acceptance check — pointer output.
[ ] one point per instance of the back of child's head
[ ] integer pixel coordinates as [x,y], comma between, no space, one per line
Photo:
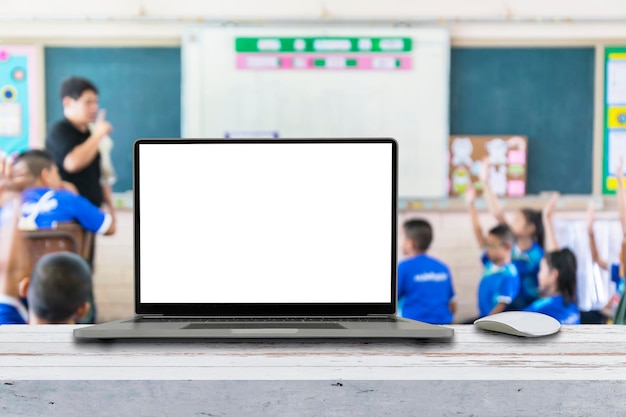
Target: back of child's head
[564,262]
[420,232]
[503,233]
[534,218]
[59,285]
[35,161]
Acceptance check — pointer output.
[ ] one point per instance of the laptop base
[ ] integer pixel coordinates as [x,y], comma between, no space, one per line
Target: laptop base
[204,328]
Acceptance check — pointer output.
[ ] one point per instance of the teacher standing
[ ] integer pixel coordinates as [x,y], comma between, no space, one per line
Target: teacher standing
[75,140]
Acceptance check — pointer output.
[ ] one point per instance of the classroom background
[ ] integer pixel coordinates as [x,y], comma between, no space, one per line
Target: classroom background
[547,71]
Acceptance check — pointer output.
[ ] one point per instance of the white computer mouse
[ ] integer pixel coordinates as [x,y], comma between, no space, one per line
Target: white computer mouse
[520,323]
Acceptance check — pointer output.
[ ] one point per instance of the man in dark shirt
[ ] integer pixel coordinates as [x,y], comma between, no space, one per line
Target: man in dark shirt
[74,144]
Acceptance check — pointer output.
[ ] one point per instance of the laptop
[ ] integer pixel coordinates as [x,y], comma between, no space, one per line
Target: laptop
[265,239]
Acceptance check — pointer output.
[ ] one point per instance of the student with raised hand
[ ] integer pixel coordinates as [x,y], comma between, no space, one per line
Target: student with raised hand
[615,269]
[500,283]
[12,255]
[557,276]
[527,251]
[424,283]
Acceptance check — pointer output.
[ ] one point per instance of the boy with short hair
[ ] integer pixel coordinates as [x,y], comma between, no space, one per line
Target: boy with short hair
[57,292]
[500,283]
[58,289]
[44,202]
[424,283]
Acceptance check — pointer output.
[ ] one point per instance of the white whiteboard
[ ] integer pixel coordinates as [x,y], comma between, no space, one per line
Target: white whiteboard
[409,105]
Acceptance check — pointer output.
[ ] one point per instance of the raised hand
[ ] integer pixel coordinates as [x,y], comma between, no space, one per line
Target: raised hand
[470,193]
[4,169]
[8,180]
[101,127]
[483,176]
[548,210]
[619,171]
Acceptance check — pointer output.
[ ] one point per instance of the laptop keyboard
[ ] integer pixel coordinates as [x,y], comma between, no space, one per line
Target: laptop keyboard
[261,319]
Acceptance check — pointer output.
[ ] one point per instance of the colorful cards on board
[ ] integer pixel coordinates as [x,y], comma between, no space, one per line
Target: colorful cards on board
[506,156]
[323,53]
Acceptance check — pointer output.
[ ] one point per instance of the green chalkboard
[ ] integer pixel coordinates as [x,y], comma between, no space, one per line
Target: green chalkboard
[545,94]
[139,87]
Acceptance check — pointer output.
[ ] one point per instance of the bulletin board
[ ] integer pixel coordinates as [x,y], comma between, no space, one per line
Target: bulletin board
[507,157]
[542,92]
[332,82]
[614,116]
[19,90]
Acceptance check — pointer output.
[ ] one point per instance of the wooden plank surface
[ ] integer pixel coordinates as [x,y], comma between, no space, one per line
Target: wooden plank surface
[577,352]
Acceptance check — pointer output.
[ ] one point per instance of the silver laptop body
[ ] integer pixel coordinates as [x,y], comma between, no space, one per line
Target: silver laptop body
[265,239]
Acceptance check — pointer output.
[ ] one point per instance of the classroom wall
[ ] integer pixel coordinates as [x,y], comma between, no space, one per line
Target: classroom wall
[505,23]
[477,23]
[163,19]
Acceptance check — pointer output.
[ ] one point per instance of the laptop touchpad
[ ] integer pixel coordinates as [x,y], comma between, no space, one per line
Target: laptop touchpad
[318,325]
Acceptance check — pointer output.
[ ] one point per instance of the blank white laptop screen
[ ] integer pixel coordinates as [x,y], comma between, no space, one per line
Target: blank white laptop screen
[265,222]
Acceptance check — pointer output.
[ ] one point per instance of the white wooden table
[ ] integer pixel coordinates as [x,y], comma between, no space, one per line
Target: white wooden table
[579,371]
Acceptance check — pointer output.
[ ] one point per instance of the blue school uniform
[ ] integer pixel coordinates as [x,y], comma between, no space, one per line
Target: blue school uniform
[556,307]
[619,281]
[527,263]
[425,288]
[619,287]
[42,208]
[12,311]
[500,284]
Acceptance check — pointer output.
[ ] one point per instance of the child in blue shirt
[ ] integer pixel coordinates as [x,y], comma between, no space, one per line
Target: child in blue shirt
[527,251]
[500,284]
[425,287]
[557,277]
[557,283]
[45,203]
[57,290]
[12,308]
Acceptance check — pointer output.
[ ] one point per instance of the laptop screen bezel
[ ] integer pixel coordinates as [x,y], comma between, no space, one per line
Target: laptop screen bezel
[264,309]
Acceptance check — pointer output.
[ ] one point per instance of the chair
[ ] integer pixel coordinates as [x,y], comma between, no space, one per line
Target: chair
[67,236]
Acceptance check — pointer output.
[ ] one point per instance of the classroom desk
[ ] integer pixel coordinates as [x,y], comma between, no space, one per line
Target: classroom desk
[579,371]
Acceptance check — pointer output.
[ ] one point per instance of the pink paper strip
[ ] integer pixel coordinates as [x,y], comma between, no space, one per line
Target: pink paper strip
[516,188]
[517,157]
[307,62]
